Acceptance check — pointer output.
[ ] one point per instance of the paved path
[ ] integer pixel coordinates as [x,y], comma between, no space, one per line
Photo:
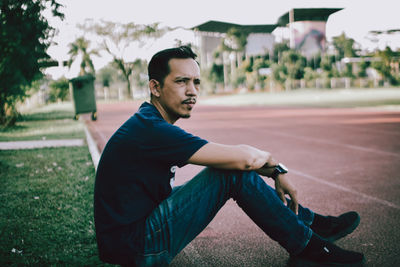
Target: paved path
[40,144]
[339,160]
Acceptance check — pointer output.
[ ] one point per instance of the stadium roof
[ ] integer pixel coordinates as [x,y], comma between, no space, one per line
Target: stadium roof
[223,27]
[307,14]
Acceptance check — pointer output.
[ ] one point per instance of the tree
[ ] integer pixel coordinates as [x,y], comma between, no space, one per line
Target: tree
[81,47]
[106,75]
[59,90]
[140,77]
[344,46]
[25,37]
[117,37]
[279,48]
[388,58]
[235,40]
[294,63]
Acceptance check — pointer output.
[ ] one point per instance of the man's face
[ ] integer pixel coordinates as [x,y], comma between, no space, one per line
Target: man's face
[179,92]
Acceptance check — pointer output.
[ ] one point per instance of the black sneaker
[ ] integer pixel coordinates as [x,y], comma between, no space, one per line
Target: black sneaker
[339,226]
[320,252]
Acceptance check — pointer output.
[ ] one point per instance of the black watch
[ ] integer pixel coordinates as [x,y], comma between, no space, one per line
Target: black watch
[279,169]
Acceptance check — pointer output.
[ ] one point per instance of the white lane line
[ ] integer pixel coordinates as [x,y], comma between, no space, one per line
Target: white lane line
[339,187]
[315,140]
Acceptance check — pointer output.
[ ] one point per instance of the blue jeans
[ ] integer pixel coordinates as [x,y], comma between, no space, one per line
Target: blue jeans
[192,206]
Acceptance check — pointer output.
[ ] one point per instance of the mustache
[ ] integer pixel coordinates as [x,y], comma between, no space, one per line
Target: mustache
[190,100]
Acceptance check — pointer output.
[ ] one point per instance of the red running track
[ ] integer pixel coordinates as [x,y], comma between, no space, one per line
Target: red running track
[339,160]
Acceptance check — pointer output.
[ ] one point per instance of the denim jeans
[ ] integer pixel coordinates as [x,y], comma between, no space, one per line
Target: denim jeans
[192,206]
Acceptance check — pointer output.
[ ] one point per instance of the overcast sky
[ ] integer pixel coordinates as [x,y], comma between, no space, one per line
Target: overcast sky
[356,19]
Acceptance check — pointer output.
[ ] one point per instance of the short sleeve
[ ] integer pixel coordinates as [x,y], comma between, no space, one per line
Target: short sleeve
[171,144]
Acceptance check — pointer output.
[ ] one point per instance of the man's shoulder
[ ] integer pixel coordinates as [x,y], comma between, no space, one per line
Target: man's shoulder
[147,113]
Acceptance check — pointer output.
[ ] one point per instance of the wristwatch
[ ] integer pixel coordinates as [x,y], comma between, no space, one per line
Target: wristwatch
[279,169]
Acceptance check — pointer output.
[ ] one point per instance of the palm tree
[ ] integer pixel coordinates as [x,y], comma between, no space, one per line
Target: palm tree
[80,47]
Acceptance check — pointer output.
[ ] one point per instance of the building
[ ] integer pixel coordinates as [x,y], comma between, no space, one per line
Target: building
[211,34]
[307,27]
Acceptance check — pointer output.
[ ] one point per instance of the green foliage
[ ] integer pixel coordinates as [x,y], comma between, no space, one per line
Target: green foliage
[291,66]
[239,78]
[344,46]
[105,75]
[260,63]
[310,74]
[216,73]
[25,37]
[279,72]
[328,66]
[294,63]
[59,90]
[140,77]
[315,61]
[362,68]
[235,40]
[383,66]
[247,65]
[279,48]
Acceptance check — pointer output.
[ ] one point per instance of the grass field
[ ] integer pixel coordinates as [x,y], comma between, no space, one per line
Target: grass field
[377,97]
[46,210]
[48,122]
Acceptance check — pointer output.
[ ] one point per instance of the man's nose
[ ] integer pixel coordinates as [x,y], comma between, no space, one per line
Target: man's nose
[191,89]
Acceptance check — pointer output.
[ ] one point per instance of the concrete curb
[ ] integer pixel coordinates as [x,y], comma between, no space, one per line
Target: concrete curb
[94,151]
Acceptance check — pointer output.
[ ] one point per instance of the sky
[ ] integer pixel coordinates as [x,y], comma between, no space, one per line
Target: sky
[357,18]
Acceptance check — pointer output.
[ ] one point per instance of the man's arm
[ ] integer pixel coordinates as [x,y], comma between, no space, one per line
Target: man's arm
[244,157]
[237,157]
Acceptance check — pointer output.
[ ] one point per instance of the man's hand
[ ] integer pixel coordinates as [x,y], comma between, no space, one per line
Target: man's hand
[283,187]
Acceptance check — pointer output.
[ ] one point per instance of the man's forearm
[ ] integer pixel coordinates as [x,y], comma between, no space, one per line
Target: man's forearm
[241,157]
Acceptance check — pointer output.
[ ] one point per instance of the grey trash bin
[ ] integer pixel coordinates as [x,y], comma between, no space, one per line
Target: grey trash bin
[83,95]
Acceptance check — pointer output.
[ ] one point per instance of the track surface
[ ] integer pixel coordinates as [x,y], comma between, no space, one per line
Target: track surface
[339,160]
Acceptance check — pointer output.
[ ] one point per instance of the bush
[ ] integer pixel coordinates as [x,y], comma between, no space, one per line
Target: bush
[59,90]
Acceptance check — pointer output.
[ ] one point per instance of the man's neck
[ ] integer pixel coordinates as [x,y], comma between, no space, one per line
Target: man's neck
[162,111]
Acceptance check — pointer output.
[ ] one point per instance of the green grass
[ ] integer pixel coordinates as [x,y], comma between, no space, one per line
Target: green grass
[49,122]
[46,207]
[335,98]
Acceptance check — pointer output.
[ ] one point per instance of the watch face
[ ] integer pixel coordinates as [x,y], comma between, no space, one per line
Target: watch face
[281,168]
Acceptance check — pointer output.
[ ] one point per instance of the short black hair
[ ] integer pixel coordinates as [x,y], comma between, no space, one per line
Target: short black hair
[158,67]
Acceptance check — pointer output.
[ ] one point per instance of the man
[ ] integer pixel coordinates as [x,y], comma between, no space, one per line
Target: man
[142,221]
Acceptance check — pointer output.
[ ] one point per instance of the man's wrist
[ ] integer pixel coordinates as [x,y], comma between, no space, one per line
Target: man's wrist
[278,170]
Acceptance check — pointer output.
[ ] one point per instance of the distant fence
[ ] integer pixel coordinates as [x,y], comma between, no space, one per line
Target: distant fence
[326,83]
[118,91]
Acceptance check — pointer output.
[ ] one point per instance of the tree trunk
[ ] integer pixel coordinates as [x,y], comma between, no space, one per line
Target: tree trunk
[128,87]
[8,114]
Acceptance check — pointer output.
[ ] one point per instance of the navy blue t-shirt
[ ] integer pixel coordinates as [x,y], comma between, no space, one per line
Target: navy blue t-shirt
[133,177]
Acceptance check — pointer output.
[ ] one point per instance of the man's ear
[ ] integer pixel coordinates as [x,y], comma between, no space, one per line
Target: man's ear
[155,87]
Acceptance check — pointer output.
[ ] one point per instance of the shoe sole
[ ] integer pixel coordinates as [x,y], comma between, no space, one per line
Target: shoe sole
[346,231]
